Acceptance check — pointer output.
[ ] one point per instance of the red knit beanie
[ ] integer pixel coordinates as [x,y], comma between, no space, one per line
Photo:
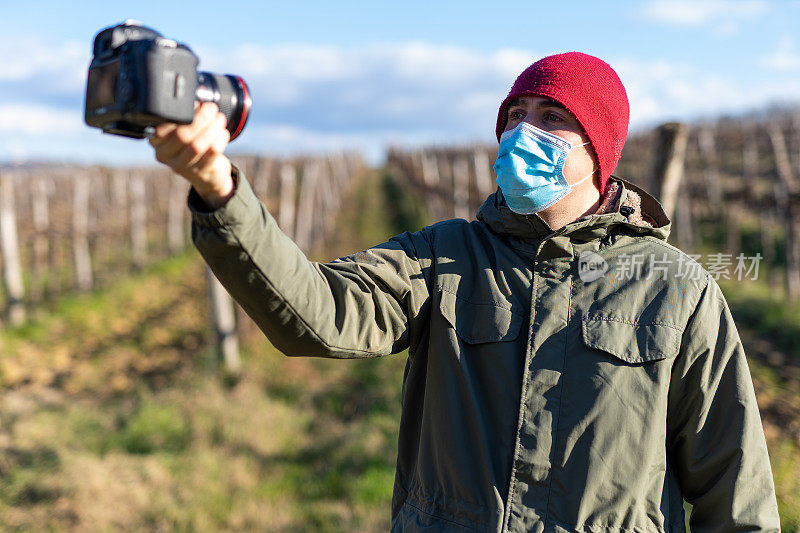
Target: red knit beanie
[590,89]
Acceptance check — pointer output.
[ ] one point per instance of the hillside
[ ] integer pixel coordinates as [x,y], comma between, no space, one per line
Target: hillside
[115,415]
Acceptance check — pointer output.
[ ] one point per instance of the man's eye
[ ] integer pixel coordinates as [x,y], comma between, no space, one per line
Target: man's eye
[549,116]
[515,115]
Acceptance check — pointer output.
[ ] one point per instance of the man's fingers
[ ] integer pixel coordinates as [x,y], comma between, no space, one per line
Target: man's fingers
[222,140]
[168,149]
[216,149]
[191,152]
[195,151]
[166,132]
[161,133]
[172,140]
[204,116]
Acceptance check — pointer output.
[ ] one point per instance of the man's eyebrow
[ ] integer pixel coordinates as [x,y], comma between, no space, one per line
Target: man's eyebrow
[545,103]
[553,103]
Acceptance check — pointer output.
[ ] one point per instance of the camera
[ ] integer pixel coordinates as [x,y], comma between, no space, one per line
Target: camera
[139,79]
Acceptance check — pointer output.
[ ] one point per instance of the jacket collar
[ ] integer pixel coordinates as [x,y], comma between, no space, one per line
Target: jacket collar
[502,220]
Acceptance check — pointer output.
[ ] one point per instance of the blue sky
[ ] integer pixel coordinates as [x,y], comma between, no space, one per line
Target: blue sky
[327,75]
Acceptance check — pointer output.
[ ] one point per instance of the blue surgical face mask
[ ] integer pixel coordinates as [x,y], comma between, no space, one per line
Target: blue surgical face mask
[530,168]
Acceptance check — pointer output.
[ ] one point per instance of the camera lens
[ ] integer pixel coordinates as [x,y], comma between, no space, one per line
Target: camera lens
[231,95]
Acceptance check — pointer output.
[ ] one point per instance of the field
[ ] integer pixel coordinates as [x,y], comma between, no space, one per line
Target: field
[116,416]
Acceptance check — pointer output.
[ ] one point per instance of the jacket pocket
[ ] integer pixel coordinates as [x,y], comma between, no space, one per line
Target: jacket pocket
[612,424]
[632,343]
[477,323]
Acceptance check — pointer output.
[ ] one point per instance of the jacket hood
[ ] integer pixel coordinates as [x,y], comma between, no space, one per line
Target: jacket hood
[645,217]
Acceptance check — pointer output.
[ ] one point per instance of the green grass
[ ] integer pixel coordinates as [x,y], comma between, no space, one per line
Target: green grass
[297,444]
[769,326]
[765,312]
[113,419]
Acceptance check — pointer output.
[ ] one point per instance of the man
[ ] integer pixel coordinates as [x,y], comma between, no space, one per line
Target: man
[536,398]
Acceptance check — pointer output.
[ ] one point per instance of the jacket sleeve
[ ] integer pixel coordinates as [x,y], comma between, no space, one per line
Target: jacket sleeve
[714,433]
[363,305]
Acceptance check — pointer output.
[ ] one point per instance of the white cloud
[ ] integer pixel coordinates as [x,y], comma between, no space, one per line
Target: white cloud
[289,140]
[410,85]
[317,98]
[699,12]
[663,91]
[785,57]
[63,65]
[83,146]
[24,119]
[305,97]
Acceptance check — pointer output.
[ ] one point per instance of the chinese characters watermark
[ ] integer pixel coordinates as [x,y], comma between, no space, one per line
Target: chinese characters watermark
[592,266]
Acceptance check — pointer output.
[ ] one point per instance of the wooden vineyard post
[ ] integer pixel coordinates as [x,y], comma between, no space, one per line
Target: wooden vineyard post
[431,178]
[9,249]
[767,221]
[684,220]
[483,177]
[668,169]
[247,166]
[305,210]
[787,195]
[40,217]
[119,195]
[261,173]
[708,148]
[447,185]
[461,187]
[80,232]
[415,169]
[327,202]
[138,214]
[286,211]
[223,323]
[340,174]
[792,251]
[176,210]
[749,177]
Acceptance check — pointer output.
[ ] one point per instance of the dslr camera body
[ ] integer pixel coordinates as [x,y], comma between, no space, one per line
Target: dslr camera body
[139,79]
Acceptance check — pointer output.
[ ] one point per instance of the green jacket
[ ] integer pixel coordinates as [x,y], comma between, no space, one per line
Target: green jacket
[535,398]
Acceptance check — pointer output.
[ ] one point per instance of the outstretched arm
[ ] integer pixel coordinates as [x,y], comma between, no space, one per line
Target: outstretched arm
[363,305]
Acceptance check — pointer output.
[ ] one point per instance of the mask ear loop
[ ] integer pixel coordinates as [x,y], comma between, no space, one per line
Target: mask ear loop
[583,179]
[590,174]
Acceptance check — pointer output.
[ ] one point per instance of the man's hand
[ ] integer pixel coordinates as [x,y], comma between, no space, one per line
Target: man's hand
[195,151]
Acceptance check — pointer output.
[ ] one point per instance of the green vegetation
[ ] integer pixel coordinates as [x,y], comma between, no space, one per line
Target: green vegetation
[383,209]
[124,436]
[769,326]
[765,313]
[114,416]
